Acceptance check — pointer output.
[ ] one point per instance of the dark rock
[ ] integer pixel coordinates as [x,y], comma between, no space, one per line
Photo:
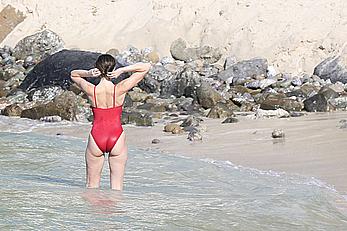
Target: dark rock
[230,120]
[333,68]
[127,101]
[316,103]
[137,117]
[278,133]
[220,110]
[155,141]
[55,69]
[180,51]
[273,102]
[207,96]
[12,110]
[242,70]
[149,84]
[39,45]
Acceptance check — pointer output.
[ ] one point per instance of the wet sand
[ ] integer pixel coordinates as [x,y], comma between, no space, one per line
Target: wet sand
[314,145]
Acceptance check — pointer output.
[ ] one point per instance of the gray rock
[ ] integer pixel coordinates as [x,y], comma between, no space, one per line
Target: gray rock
[328,93]
[207,96]
[138,96]
[149,84]
[242,70]
[316,103]
[192,121]
[129,56]
[333,68]
[158,72]
[180,51]
[260,84]
[339,103]
[194,135]
[39,45]
[278,133]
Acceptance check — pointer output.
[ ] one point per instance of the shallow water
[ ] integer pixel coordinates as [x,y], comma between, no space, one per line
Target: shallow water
[42,188]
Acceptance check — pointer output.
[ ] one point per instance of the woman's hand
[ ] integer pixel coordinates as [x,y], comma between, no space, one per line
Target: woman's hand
[94,72]
[116,73]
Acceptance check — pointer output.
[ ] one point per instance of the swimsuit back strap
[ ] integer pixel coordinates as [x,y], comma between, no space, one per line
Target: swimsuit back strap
[114,96]
[96,105]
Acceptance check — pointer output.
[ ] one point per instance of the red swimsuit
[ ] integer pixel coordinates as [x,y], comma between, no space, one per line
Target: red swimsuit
[107,126]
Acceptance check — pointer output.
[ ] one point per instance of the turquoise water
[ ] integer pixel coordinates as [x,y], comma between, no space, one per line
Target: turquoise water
[42,188]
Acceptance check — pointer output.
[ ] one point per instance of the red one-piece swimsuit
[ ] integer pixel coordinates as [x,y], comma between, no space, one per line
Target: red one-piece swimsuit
[107,126]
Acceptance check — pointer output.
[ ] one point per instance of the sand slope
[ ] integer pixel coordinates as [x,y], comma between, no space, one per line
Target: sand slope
[288,33]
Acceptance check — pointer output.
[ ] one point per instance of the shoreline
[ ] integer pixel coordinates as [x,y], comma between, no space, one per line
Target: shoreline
[313,146]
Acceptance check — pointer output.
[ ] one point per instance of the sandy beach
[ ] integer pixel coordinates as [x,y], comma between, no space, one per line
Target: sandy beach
[314,145]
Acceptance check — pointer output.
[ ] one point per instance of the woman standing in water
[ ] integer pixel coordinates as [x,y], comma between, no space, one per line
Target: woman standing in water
[107,133]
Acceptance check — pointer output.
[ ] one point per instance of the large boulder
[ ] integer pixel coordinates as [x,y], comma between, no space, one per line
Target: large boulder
[274,101]
[239,72]
[333,68]
[207,95]
[180,51]
[39,45]
[55,69]
[64,105]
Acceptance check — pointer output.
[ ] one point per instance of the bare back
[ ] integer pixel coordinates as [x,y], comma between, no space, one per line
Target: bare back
[104,93]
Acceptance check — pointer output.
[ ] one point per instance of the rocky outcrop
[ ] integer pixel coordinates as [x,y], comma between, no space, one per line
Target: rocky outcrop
[180,51]
[39,45]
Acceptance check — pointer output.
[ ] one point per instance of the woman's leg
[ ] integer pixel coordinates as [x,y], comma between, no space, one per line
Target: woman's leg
[117,160]
[94,163]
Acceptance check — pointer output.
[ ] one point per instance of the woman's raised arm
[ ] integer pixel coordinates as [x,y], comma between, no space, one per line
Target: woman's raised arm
[78,75]
[139,69]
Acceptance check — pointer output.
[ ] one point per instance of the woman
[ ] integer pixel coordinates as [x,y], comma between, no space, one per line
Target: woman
[107,133]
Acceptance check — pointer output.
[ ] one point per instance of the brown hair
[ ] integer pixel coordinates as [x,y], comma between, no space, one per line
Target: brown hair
[105,63]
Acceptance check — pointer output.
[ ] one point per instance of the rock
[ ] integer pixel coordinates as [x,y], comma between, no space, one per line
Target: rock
[260,84]
[55,69]
[278,133]
[155,141]
[333,68]
[343,124]
[230,120]
[180,51]
[152,57]
[149,84]
[64,105]
[51,119]
[187,83]
[273,102]
[29,61]
[207,96]
[177,130]
[339,103]
[171,127]
[191,121]
[10,72]
[45,94]
[137,117]
[316,103]
[242,70]
[328,93]
[167,60]
[159,73]
[220,110]
[279,113]
[194,135]
[39,45]
[12,110]
[114,52]
[129,56]
[152,107]
[136,96]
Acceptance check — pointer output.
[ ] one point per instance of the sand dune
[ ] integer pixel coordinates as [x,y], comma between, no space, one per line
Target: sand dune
[294,35]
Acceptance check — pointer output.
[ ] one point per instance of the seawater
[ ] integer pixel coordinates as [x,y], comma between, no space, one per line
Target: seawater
[42,187]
